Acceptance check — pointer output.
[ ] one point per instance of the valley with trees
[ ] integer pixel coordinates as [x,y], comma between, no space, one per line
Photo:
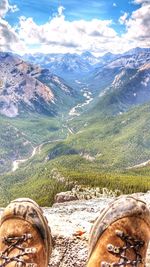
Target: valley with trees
[89,126]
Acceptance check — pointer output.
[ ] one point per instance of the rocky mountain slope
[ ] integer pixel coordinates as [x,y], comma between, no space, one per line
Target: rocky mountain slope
[105,72]
[27,88]
[70,223]
[129,88]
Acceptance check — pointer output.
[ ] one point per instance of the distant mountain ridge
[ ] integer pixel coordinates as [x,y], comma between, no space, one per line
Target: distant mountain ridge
[75,62]
[38,85]
[96,72]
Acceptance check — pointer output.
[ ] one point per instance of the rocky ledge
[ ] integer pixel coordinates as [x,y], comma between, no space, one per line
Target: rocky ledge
[79,192]
[70,223]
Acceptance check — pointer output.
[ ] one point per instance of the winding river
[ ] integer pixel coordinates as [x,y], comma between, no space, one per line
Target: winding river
[73,112]
[37,149]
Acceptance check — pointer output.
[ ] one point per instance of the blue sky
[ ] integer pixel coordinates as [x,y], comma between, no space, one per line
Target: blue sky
[42,11]
[91,21]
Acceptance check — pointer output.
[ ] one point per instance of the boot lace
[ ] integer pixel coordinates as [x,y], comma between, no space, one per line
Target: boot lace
[16,243]
[130,243]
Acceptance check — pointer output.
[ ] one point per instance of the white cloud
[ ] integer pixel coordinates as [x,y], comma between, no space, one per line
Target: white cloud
[60,10]
[114,4]
[138,26]
[63,35]
[123,18]
[6,7]
[13,8]
[141,1]
[60,35]
[9,40]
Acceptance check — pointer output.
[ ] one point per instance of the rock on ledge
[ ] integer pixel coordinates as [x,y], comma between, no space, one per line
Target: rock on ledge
[65,197]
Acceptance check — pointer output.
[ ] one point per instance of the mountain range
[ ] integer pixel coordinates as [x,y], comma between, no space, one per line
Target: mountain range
[52,83]
[81,114]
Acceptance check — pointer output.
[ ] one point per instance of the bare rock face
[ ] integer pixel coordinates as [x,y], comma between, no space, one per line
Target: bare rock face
[19,87]
[28,88]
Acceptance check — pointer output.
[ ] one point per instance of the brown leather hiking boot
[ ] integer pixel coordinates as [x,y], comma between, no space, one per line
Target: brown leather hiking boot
[120,236]
[25,238]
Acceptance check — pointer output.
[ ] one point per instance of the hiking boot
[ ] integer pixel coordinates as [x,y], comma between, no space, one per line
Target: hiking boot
[120,236]
[25,238]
